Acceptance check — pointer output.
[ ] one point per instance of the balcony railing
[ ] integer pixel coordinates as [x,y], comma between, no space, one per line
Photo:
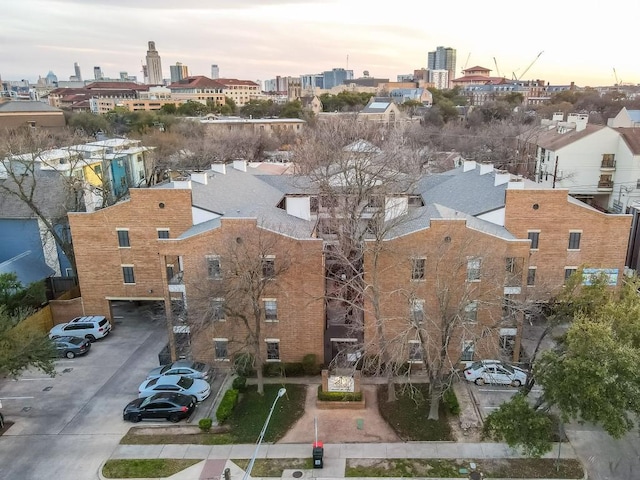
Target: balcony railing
[608,163]
[605,184]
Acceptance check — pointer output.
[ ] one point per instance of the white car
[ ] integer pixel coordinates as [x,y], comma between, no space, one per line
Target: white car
[91,327]
[493,371]
[196,388]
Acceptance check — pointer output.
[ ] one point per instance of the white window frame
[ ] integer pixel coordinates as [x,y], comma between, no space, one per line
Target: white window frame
[216,303]
[411,346]
[133,273]
[415,270]
[276,341]
[268,260]
[571,232]
[210,259]
[470,307]
[534,269]
[158,230]
[118,230]
[537,247]
[465,345]
[473,270]
[574,269]
[215,352]
[417,306]
[264,303]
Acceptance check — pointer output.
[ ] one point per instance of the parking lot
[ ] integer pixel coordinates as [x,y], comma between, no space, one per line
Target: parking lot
[64,427]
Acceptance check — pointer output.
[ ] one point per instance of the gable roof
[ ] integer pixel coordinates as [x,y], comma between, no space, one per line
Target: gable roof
[634,115]
[50,195]
[550,139]
[235,81]
[631,136]
[377,105]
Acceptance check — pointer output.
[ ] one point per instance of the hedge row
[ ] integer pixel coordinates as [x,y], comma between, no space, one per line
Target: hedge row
[227,404]
[339,396]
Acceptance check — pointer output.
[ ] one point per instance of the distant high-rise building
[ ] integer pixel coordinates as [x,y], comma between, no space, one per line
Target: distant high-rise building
[215,71]
[311,81]
[440,78]
[444,58]
[178,72]
[97,73]
[336,76]
[76,70]
[51,79]
[154,66]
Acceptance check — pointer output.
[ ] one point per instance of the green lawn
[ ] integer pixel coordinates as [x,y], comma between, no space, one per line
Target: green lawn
[246,421]
[146,468]
[408,415]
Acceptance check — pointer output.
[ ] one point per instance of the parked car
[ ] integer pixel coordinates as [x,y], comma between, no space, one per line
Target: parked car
[185,368]
[90,327]
[199,389]
[494,371]
[70,347]
[170,406]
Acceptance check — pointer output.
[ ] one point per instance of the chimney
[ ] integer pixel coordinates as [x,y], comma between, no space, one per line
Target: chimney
[580,120]
[557,117]
[469,165]
[486,168]
[501,178]
[240,165]
[219,168]
[199,177]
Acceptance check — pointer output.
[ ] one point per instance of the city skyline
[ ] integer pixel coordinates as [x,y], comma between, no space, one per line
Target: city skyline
[253,39]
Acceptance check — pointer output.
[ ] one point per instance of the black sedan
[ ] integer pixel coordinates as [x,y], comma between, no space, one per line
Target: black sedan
[170,406]
[70,347]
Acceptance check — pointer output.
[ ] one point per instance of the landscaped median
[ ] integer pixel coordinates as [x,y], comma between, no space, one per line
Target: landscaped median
[496,468]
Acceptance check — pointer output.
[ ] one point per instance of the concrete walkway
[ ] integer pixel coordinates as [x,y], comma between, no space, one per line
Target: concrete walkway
[217,457]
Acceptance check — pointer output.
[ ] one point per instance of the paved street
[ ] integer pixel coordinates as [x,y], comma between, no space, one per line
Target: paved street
[66,426]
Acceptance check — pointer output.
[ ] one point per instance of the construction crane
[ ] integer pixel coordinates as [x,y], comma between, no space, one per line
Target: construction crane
[466,63]
[618,82]
[497,69]
[527,69]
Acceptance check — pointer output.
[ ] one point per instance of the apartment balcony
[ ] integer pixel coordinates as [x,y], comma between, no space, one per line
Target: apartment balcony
[608,165]
[176,283]
[605,186]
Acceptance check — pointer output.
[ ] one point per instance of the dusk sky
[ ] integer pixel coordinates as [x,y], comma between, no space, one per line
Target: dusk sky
[259,39]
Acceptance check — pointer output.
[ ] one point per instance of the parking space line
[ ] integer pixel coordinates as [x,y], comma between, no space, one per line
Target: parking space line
[15,398]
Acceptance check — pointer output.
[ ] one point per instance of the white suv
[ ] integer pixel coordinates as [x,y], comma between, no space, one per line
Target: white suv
[91,327]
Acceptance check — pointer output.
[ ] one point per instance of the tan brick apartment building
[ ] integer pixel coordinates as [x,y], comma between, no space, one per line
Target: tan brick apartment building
[474,240]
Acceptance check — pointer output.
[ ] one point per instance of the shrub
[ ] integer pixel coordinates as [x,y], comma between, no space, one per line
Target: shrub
[227,404]
[273,369]
[205,424]
[310,364]
[450,401]
[279,369]
[339,396]
[240,383]
[243,364]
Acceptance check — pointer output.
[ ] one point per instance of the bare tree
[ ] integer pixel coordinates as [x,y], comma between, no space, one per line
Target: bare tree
[249,265]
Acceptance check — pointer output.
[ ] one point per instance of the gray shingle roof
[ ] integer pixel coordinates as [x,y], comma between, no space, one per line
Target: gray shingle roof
[20,106]
[50,195]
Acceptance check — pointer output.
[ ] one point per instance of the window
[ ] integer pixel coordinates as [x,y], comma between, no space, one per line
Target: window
[123,238]
[473,269]
[213,267]
[468,348]
[220,349]
[217,309]
[268,267]
[417,311]
[270,309]
[417,268]
[534,237]
[273,350]
[415,352]
[574,240]
[313,204]
[568,271]
[127,274]
[163,233]
[531,276]
[97,170]
[510,264]
[471,312]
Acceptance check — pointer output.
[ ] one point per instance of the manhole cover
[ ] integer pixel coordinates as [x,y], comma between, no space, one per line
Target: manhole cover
[46,389]
[67,370]
[297,474]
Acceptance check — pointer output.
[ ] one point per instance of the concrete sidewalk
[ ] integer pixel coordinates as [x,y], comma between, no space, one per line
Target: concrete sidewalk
[217,457]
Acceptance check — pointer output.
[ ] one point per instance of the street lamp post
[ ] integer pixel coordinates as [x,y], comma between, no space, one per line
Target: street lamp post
[281,393]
